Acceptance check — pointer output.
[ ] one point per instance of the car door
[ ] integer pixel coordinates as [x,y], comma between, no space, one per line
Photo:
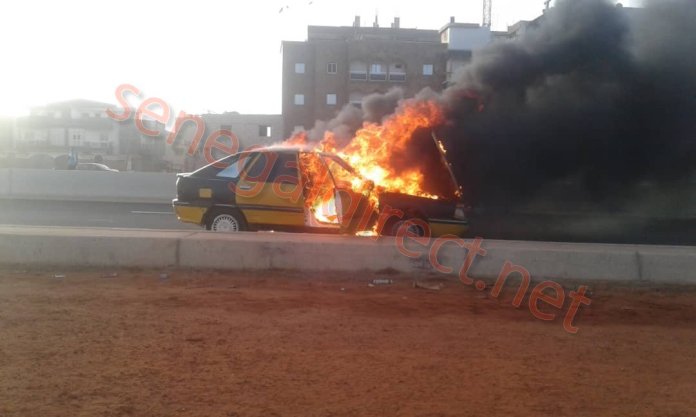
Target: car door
[331,197]
[323,204]
[269,191]
[353,195]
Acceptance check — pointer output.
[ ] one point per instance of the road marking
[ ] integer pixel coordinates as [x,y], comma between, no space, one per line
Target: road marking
[152,212]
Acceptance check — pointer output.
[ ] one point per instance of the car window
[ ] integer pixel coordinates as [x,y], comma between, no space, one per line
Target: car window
[211,170]
[235,167]
[285,169]
[339,170]
[259,170]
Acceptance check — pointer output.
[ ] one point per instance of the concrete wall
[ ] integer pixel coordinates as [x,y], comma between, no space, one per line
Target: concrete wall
[36,246]
[87,185]
[4,182]
[88,247]
[554,261]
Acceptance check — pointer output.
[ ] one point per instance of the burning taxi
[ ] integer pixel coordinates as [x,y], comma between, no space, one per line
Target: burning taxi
[297,190]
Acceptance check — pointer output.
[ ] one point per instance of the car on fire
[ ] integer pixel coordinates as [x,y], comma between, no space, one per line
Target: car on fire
[295,190]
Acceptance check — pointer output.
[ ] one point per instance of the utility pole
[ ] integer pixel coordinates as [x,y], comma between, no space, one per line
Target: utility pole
[487,9]
[547,3]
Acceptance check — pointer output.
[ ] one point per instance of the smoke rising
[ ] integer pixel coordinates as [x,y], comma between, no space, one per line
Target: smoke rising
[597,93]
[594,93]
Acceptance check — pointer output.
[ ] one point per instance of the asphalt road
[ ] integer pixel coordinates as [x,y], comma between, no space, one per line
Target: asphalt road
[558,227]
[90,214]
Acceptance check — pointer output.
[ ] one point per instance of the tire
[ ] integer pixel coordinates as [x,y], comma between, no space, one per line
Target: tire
[226,221]
[392,227]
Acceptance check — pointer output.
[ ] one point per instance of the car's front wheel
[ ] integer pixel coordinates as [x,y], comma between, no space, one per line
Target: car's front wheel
[226,222]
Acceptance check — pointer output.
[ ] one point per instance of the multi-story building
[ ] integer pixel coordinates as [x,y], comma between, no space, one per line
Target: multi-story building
[79,124]
[463,40]
[234,131]
[341,65]
[85,126]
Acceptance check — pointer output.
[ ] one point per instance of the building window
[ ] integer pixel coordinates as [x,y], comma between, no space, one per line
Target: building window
[103,137]
[299,68]
[378,72]
[356,99]
[264,131]
[299,99]
[331,68]
[397,72]
[428,69]
[358,71]
[331,99]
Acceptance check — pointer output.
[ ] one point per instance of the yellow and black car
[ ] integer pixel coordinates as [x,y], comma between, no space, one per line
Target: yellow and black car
[290,189]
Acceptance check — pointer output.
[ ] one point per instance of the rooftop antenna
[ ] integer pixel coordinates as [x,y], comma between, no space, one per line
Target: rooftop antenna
[376,24]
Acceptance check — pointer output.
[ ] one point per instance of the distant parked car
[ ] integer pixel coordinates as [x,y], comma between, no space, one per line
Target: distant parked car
[91,166]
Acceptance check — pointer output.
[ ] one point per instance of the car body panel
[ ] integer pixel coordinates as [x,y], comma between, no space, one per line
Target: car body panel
[271,188]
[441,227]
[271,203]
[189,213]
[93,166]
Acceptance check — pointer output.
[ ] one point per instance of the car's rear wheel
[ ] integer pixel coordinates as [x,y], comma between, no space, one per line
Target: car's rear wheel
[414,225]
[226,221]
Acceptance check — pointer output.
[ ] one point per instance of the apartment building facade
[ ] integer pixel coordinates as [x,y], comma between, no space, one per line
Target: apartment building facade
[341,65]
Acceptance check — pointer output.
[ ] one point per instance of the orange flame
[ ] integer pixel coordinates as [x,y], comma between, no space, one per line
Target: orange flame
[370,151]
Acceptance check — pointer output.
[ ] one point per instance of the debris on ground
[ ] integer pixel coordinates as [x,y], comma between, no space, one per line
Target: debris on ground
[58,276]
[428,285]
[381,281]
[110,275]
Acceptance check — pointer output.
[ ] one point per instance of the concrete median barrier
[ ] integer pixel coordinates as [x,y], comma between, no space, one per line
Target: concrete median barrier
[667,264]
[552,261]
[140,187]
[39,246]
[290,251]
[260,251]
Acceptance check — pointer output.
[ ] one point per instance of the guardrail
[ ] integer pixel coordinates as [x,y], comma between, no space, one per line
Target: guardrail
[141,187]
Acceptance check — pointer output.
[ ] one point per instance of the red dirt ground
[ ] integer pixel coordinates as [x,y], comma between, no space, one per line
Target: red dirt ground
[288,344]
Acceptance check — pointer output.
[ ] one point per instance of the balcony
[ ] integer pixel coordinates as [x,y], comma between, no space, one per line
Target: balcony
[378,77]
[398,77]
[358,76]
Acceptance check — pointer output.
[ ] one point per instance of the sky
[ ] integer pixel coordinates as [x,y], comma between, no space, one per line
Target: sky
[202,56]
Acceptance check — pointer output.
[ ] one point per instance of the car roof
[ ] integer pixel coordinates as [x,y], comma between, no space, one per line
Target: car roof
[286,149]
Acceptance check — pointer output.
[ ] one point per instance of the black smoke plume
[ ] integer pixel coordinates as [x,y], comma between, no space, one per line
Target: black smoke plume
[599,96]
[596,93]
